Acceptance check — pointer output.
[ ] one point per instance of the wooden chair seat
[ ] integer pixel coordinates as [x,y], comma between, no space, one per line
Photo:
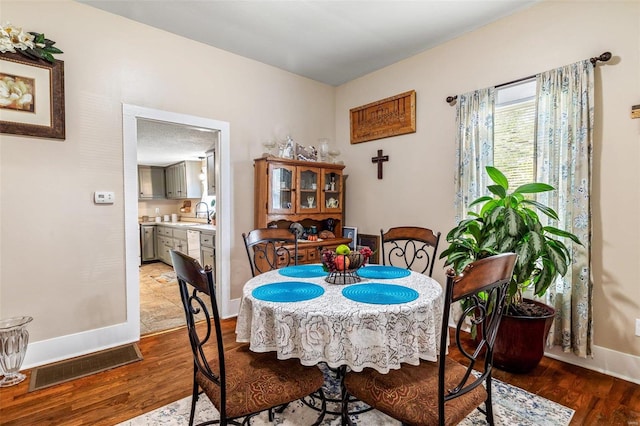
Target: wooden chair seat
[259,381]
[410,394]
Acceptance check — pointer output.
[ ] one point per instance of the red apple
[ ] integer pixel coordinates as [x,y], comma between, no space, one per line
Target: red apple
[342,262]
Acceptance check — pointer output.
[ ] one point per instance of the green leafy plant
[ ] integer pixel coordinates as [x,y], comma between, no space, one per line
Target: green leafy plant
[509,222]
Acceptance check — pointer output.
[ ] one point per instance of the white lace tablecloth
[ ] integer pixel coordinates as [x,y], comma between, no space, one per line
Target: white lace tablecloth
[339,331]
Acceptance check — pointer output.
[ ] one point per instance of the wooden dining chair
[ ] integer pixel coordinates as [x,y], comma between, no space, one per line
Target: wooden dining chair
[270,248]
[239,383]
[410,247]
[446,392]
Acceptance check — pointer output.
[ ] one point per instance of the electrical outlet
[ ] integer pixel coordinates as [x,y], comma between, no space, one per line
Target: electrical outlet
[638,327]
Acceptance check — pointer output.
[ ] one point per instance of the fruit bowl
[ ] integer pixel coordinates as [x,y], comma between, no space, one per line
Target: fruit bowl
[342,268]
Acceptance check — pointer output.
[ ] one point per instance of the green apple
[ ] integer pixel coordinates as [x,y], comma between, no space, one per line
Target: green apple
[343,249]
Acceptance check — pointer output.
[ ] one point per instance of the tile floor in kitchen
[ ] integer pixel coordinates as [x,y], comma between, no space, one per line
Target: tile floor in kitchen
[160,305]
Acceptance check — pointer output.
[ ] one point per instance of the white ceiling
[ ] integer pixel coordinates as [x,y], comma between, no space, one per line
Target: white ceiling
[332,42]
[162,144]
[329,41]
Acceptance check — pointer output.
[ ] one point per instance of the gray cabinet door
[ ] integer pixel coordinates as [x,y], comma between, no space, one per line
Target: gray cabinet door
[170,175]
[151,182]
[182,180]
[148,243]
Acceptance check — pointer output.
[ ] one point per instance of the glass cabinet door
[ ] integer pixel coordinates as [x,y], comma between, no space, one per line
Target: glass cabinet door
[331,190]
[308,190]
[282,195]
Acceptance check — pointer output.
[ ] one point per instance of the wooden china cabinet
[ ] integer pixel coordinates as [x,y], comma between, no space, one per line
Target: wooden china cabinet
[304,192]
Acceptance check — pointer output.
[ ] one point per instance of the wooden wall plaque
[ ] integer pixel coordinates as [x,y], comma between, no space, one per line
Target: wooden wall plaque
[384,118]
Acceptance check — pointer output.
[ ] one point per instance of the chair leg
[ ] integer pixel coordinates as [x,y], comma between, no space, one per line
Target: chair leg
[488,404]
[194,399]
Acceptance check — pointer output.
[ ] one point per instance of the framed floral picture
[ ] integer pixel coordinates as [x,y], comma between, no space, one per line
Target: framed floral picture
[31,97]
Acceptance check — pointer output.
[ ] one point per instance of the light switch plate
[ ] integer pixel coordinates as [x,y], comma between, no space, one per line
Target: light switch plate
[104,197]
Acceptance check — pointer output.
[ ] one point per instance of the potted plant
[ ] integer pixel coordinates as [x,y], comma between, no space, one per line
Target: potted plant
[509,222]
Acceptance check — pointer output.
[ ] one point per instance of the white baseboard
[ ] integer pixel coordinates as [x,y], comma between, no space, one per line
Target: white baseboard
[73,345]
[607,361]
[232,309]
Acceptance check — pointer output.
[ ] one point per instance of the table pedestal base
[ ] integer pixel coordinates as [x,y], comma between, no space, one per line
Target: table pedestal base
[335,394]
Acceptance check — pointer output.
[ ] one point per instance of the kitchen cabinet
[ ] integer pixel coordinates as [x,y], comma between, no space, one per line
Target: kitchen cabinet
[180,241]
[310,193]
[182,180]
[148,243]
[164,243]
[151,183]
[168,239]
[207,249]
[211,172]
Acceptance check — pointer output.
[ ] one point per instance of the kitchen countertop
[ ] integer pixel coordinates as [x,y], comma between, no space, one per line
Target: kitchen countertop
[188,225]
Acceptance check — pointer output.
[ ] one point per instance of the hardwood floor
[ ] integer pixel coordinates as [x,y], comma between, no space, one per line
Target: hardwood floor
[165,375]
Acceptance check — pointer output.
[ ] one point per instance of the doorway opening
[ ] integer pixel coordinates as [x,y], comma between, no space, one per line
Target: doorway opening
[133,116]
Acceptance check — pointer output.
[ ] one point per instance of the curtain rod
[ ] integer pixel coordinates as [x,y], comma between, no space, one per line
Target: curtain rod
[604,58]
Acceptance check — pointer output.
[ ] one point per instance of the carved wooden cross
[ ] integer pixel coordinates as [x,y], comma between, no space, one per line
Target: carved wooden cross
[380,159]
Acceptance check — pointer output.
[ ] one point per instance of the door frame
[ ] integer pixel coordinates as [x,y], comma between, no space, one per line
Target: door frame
[130,116]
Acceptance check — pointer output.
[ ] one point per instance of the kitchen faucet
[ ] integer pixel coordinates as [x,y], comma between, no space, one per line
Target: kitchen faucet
[206,207]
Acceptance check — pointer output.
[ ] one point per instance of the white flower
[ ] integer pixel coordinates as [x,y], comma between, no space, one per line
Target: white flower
[15,93]
[6,45]
[12,38]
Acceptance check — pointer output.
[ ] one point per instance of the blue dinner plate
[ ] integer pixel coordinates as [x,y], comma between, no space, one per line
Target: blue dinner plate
[287,291]
[380,272]
[380,294]
[303,271]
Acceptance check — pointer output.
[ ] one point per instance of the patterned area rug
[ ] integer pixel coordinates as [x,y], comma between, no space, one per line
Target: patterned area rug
[512,406]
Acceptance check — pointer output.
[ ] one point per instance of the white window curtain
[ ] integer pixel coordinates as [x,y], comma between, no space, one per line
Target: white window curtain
[564,133]
[474,139]
[563,148]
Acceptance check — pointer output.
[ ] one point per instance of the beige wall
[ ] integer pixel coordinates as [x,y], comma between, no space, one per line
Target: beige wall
[418,180]
[62,257]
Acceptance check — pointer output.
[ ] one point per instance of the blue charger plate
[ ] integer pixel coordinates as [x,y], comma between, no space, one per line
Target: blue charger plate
[287,291]
[303,271]
[380,294]
[381,272]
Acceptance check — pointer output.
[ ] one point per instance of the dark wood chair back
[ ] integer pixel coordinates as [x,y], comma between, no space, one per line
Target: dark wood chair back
[410,247]
[251,376]
[483,286]
[194,282]
[447,391]
[270,248]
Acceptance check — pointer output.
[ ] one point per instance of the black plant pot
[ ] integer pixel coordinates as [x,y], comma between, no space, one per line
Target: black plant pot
[520,341]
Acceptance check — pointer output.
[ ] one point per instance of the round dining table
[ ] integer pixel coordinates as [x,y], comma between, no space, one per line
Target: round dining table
[391,316]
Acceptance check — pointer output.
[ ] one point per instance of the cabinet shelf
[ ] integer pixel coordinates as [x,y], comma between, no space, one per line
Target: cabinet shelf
[284,194]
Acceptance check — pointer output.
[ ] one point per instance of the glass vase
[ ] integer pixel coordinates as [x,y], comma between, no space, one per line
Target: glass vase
[14,338]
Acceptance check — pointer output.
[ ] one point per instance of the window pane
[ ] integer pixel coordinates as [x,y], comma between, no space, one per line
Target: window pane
[514,127]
